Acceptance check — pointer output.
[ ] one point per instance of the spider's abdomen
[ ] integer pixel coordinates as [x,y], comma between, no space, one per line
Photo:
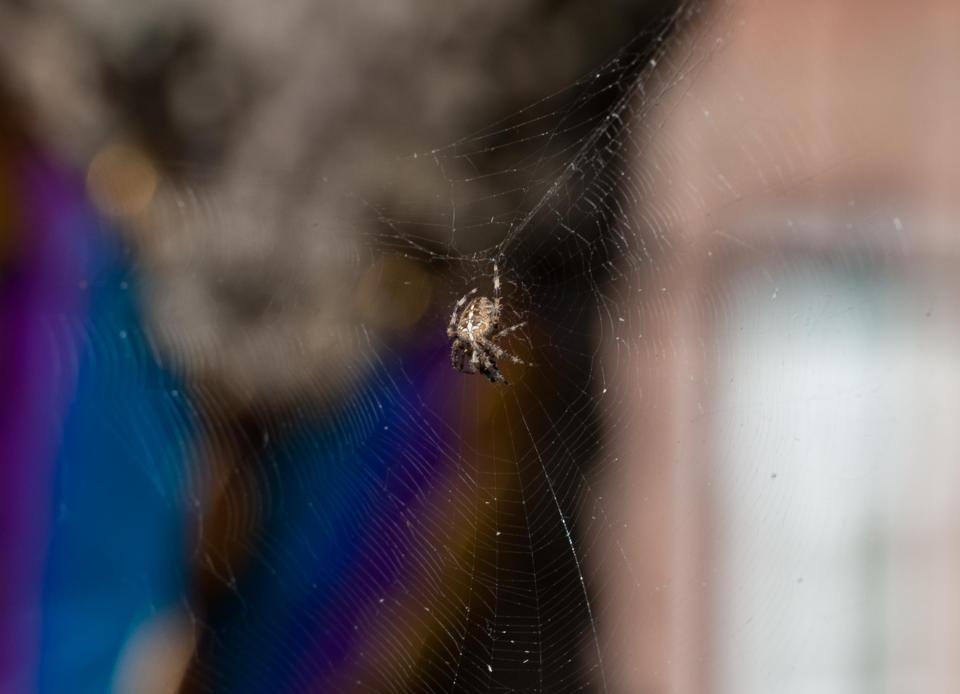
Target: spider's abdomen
[477,318]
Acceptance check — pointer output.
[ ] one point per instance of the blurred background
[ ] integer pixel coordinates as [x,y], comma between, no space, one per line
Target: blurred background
[236,458]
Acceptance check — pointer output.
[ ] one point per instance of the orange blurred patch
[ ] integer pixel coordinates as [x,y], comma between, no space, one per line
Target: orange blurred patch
[121,180]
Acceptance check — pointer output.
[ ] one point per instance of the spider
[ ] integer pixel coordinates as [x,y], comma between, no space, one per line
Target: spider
[473,328]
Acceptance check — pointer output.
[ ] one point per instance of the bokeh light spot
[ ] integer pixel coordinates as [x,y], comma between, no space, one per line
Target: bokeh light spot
[121,180]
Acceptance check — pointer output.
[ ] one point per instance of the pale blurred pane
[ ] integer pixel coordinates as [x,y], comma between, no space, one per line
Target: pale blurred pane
[835,483]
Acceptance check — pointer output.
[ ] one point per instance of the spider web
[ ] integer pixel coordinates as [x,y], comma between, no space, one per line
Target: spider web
[478,502]
[398,526]
[550,194]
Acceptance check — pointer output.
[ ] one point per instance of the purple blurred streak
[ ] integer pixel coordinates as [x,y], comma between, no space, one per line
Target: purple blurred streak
[41,290]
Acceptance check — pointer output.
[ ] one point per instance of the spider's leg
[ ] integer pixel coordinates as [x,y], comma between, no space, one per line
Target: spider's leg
[456,355]
[452,327]
[496,294]
[509,330]
[499,352]
[469,365]
[489,369]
